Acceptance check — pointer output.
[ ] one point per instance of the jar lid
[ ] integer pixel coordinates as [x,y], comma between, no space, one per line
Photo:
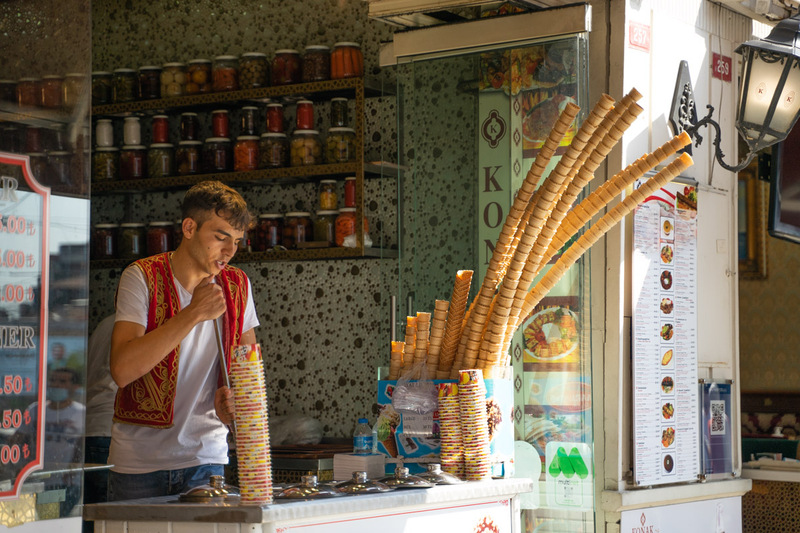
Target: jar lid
[317,47]
[106,149]
[106,226]
[225,58]
[161,145]
[350,178]
[305,102]
[124,70]
[103,120]
[286,51]
[247,138]
[327,212]
[189,114]
[270,215]
[348,210]
[160,116]
[273,134]
[219,111]
[249,107]
[189,143]
[132,118]
[52,77]
[35,154]
[132,225]
[339,99]
[298,214]
[348,44]
[196,61]
[341,130]
[254,54]
[72,75]
[101,73]
[306,132]
[26,79]
[59,153]
[160,223]
[217,140]
[12,81]
[327,181]
[150,67]
[274,105]
[134,147]
[174,64]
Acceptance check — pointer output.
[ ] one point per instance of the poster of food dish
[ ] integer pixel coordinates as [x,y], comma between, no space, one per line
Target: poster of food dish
[665,395]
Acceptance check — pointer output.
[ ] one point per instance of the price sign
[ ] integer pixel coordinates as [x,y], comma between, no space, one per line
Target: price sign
[721,67]
[24,261]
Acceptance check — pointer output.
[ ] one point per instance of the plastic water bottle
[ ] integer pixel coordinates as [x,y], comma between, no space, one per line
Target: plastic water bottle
[362,438]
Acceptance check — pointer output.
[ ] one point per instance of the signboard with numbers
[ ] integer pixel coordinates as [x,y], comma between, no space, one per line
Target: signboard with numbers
[24,259]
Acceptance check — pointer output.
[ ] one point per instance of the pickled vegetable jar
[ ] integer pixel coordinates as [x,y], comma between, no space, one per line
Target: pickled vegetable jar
[340,145]
[101,88]
[273,150]
[124,85]
[173,80]
[286,67]
[347,61]
[198,77]
[132,162]
[105,163]
[316,63]
[247,120]
[305,115]
[338,112]
[160,160]
[328,199]
[253,70]
[269,232]
[306,148]
[245,153]
[219,123]
[8,91]
[217,155]
[131,240]
[104,241]
[160,129]
[59,164]
[27,92]
[297,228]
[73,89]
[346,224]
[104,132]
[150,82]
[190,127]
[188,157]
[159,237]
[275,118]
[225,73]
[350,191]
[52,92]
[132,131]
[325,226]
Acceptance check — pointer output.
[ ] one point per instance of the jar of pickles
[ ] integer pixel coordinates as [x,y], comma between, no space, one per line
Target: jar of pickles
[350,191]
[52,92]
[317,63]
[159,237]
[325,226]
[187,157]
[346,226]
[38,163]
[27,92]
[297,228]
[173,80]
[340,145]
[338,112]
[131,240]
[150,82]
[347,61]
[190,127]
[8,91]
[160,126]
[225,73]
[305,115]
[217,155]
[104,241]
[273,150]
[286,67]
[275,118]
[219,123]
[247,121]
[101,88]
[104,132]
[160,160]
[306,148]
[245,153]
[253,70]
[328,199]
[198,77]
[105,163]
[132,131]
[124,85]
[59,164]
[132,162]
[73,89]
[269,232]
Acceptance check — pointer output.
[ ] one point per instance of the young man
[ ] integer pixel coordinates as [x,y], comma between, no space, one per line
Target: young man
[170,412]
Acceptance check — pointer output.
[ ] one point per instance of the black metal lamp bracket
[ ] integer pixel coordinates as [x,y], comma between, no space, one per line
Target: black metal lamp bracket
[708,121]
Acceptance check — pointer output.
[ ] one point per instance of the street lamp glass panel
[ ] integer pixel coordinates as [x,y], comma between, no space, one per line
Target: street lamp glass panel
[789,103]
[760,89]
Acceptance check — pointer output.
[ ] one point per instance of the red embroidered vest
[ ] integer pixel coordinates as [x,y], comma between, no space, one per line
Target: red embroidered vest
[149,401]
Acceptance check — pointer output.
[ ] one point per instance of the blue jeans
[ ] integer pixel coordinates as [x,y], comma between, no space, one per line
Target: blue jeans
[160,482]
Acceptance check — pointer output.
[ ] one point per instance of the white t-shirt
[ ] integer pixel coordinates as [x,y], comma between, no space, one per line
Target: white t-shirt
[197,436]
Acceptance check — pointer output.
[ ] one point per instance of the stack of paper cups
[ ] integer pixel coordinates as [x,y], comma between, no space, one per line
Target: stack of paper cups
[474,425]
[452,452]
[252,430]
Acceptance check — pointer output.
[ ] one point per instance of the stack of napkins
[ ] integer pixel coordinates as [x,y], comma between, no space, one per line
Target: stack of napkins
[344,464]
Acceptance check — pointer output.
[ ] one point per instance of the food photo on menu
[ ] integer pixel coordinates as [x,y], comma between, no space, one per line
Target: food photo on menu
[667,228]
[666,280]
[667,384]
[667,331]
[667,411]
[668,437]
[666,254]
[666,306]
[666,359]
[669,463]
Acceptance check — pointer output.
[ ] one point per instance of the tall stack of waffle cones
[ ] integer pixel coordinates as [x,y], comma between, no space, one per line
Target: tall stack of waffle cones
[541,220]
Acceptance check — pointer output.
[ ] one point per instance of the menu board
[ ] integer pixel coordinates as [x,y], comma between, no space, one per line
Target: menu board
[665,393]
[24,207]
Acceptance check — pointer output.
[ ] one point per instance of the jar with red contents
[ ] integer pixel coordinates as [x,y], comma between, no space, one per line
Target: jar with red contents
[269,232]
[132,162]
[350,191]
[160,129]
[159,237]
[217,155]
[104,241]
[27,92]
[225,73]
[275,118]
[346,226]
[51,92]
[190,127]
[245,153]
[305,115]
[297,228]
[219,123]
[286,67]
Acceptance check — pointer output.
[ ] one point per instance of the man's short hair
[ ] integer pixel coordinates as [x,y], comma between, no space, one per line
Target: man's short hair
[216,197]
[74,378]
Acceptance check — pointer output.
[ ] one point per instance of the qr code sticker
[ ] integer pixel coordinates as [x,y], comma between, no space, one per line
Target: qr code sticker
[718,417]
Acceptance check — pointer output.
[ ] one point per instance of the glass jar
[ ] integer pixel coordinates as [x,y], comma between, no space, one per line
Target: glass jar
[338,112]
[286,67]
[132,131]
[73,89]
[33,139]
[219,123]
[12,138]
[225,73]
[245,153]
[275,118]
[150,82]
[305,115]
[328,198]
[173,80]
[101,88]
[59,164]
[340,145]
[198,77]
[190,127]
[104,241]
[51,92]
[131,240]
[316,63]
[346,224]
[247,121]
[160,160]
[159,237]
[27,93]
[217,155]
[104,132]
[347,61]
[8,91]
[306,148]
[325,226]
[273,150]
[269,232]
[124,85]
[350,191]
[105,163]
[38,163]
[187,157]
[132,162]
[253,70]
[297,228]
[160,129]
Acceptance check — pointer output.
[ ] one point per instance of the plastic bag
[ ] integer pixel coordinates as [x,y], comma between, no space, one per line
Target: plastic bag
[418,396]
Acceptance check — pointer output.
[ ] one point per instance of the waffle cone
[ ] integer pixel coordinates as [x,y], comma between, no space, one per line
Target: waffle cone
[455,318]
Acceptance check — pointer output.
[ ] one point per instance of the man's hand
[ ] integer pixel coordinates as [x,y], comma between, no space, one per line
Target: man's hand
[207,300]
[224,405]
